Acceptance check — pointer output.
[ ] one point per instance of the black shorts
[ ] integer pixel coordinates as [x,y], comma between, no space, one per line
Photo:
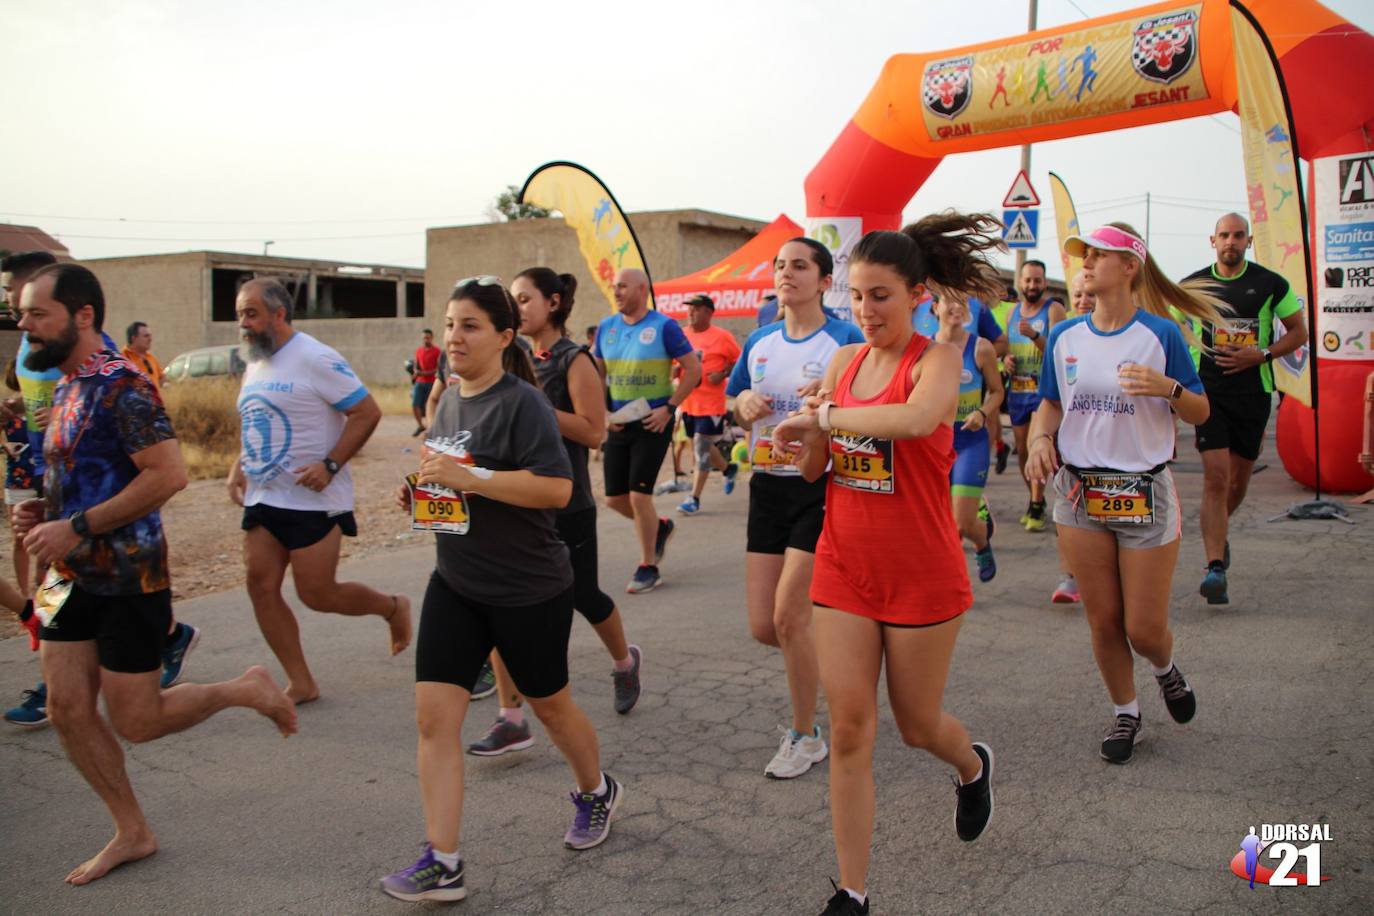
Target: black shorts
[296,529]
[458,634]
[632,457]
[129,630]
[708,426]
[784,512]
[578,531]
[1237,422]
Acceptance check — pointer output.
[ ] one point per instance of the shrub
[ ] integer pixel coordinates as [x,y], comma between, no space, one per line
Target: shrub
[205,416]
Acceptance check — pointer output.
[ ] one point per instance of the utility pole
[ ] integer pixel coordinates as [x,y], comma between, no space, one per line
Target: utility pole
[1025,150]
[265,246]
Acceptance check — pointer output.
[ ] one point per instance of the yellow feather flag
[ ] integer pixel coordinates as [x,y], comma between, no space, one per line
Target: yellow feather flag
[1066,224]
[1278,217]
[607,239]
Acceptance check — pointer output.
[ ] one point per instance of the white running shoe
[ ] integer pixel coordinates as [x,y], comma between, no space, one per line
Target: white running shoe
[796,755]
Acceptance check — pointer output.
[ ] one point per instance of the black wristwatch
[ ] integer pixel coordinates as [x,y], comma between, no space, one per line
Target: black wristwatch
[79,524]
[1268,355]
[331,466]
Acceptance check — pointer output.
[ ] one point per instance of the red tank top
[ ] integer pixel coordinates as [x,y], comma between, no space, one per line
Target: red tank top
[890,549]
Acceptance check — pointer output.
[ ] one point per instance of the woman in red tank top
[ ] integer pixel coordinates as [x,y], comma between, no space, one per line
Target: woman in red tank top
[891,582]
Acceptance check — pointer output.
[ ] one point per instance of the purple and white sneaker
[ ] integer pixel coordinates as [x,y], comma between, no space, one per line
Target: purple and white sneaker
[427,879]
[592,822]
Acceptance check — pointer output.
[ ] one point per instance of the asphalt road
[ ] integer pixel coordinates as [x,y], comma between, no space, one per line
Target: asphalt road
[249,823]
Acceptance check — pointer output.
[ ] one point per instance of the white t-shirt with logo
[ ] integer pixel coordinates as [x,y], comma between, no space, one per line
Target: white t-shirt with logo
[775,365]
[291,414]
[1103,426]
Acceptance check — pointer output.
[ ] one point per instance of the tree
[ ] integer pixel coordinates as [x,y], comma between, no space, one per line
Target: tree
[508,205]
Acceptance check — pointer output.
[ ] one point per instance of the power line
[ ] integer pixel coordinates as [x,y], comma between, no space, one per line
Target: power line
[253,239]
[244,222]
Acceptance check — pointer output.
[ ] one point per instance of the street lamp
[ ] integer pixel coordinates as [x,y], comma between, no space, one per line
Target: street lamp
[265,246]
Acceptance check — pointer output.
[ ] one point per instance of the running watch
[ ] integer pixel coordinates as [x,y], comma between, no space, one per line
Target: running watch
[331,466]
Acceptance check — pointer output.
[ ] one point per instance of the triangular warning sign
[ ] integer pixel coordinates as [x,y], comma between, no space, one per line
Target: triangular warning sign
[1020,231]
[1021,193]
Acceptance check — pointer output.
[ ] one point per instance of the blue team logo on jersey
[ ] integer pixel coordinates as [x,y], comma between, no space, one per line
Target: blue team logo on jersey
[813,369]
[343,369]
[266,436]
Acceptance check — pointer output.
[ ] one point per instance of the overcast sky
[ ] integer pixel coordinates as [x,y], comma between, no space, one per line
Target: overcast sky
[343,129]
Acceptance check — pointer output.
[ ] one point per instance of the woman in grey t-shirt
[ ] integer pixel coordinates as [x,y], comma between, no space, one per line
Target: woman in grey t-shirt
[505,583]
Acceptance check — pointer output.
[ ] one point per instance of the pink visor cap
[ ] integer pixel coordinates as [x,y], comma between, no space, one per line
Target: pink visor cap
[1105,238]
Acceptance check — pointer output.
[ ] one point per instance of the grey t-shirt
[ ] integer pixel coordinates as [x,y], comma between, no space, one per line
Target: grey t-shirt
[510,556]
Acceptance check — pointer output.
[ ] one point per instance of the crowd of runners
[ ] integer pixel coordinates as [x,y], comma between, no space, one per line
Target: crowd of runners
[869,442]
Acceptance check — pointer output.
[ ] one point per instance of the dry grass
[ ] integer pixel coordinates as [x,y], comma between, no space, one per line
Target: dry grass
[206,419]
[393,399]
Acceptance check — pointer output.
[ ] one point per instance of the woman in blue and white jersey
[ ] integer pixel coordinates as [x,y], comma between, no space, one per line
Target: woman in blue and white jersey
[1110,385]
[783,363]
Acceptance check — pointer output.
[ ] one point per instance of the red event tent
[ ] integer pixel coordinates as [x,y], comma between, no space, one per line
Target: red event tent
[738,283]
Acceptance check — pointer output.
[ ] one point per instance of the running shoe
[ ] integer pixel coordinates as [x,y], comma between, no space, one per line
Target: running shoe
[1025,516]
[1035,517]
[1120,742]
[486,682]
[627,683]
[1213,586]
[665,534]
[987,564]
[592,821]
[646,579]
[427,879]
[174,655]
[1002,454]
[1178,695]
[32,712]
[689,506]
[973,809]
[796,754]
[841,904]
[731,477]
[1066,592]
[503,736]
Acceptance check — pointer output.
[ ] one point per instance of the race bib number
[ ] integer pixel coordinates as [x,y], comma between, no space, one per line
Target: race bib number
[861,462]
[437,509]
[1241,333]
[1119,499]
[767,455]
[1025,384]
[52,594]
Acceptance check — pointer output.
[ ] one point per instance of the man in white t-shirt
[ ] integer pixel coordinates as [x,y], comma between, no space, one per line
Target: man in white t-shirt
[303,415]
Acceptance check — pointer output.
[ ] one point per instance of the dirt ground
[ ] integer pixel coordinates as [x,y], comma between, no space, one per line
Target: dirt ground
[203,525]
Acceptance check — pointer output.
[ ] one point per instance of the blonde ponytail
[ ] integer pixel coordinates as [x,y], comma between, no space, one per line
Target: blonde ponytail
[1157,294]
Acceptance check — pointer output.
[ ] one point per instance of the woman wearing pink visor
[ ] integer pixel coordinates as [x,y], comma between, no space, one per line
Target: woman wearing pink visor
[1111,381]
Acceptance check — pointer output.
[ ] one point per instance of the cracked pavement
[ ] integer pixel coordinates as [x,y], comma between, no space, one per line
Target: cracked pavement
[249,823]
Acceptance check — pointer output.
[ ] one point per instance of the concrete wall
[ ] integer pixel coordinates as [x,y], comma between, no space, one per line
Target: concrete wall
[674,242]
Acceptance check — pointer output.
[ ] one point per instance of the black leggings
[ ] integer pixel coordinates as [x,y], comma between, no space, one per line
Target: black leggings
[457,634]
[578,531]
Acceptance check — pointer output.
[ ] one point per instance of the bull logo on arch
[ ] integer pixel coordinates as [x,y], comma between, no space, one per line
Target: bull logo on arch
[1165,48]
[947,86]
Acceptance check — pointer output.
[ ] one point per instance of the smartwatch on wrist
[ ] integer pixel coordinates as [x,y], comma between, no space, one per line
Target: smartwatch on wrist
[1268,355]
[79,524]
[1177,391]
[823,415]
[331,466]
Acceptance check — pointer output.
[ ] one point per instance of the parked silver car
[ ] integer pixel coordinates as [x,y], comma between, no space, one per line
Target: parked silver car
[207,362]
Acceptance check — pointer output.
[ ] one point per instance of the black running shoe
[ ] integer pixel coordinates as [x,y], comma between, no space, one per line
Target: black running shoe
[1002,453]
[841,904]
[1120,742]
[973,810]
[665,534]
[1178,695]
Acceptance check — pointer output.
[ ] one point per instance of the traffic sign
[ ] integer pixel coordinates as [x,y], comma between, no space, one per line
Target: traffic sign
[1021,193]
[1020,228]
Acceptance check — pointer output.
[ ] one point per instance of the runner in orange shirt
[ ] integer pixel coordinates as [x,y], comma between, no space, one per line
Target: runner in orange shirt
[703,412]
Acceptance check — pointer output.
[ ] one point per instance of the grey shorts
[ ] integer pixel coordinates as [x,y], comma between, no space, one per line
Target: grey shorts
[1070,511]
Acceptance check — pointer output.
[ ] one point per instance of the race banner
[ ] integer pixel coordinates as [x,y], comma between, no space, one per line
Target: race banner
[1344,236]
[1113,67]
[839,234]
[605,236]
[1273,187]
[1066,224]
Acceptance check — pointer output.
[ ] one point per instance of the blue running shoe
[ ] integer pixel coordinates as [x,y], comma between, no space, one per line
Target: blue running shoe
[427,879]
[1213,586]
[486,682]
[689,506]
[731,476]
[174,655]
[987,565]
[646,579]
[33,711]
[592,822]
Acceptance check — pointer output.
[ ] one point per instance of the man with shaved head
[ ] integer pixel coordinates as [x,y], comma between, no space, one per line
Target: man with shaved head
[303,415]
[1239,380]
[635,349]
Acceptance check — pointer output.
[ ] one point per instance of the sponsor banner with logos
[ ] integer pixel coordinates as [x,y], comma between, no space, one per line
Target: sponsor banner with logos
[1271,181]
[1344,236]
[1110,68]
[840,234]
